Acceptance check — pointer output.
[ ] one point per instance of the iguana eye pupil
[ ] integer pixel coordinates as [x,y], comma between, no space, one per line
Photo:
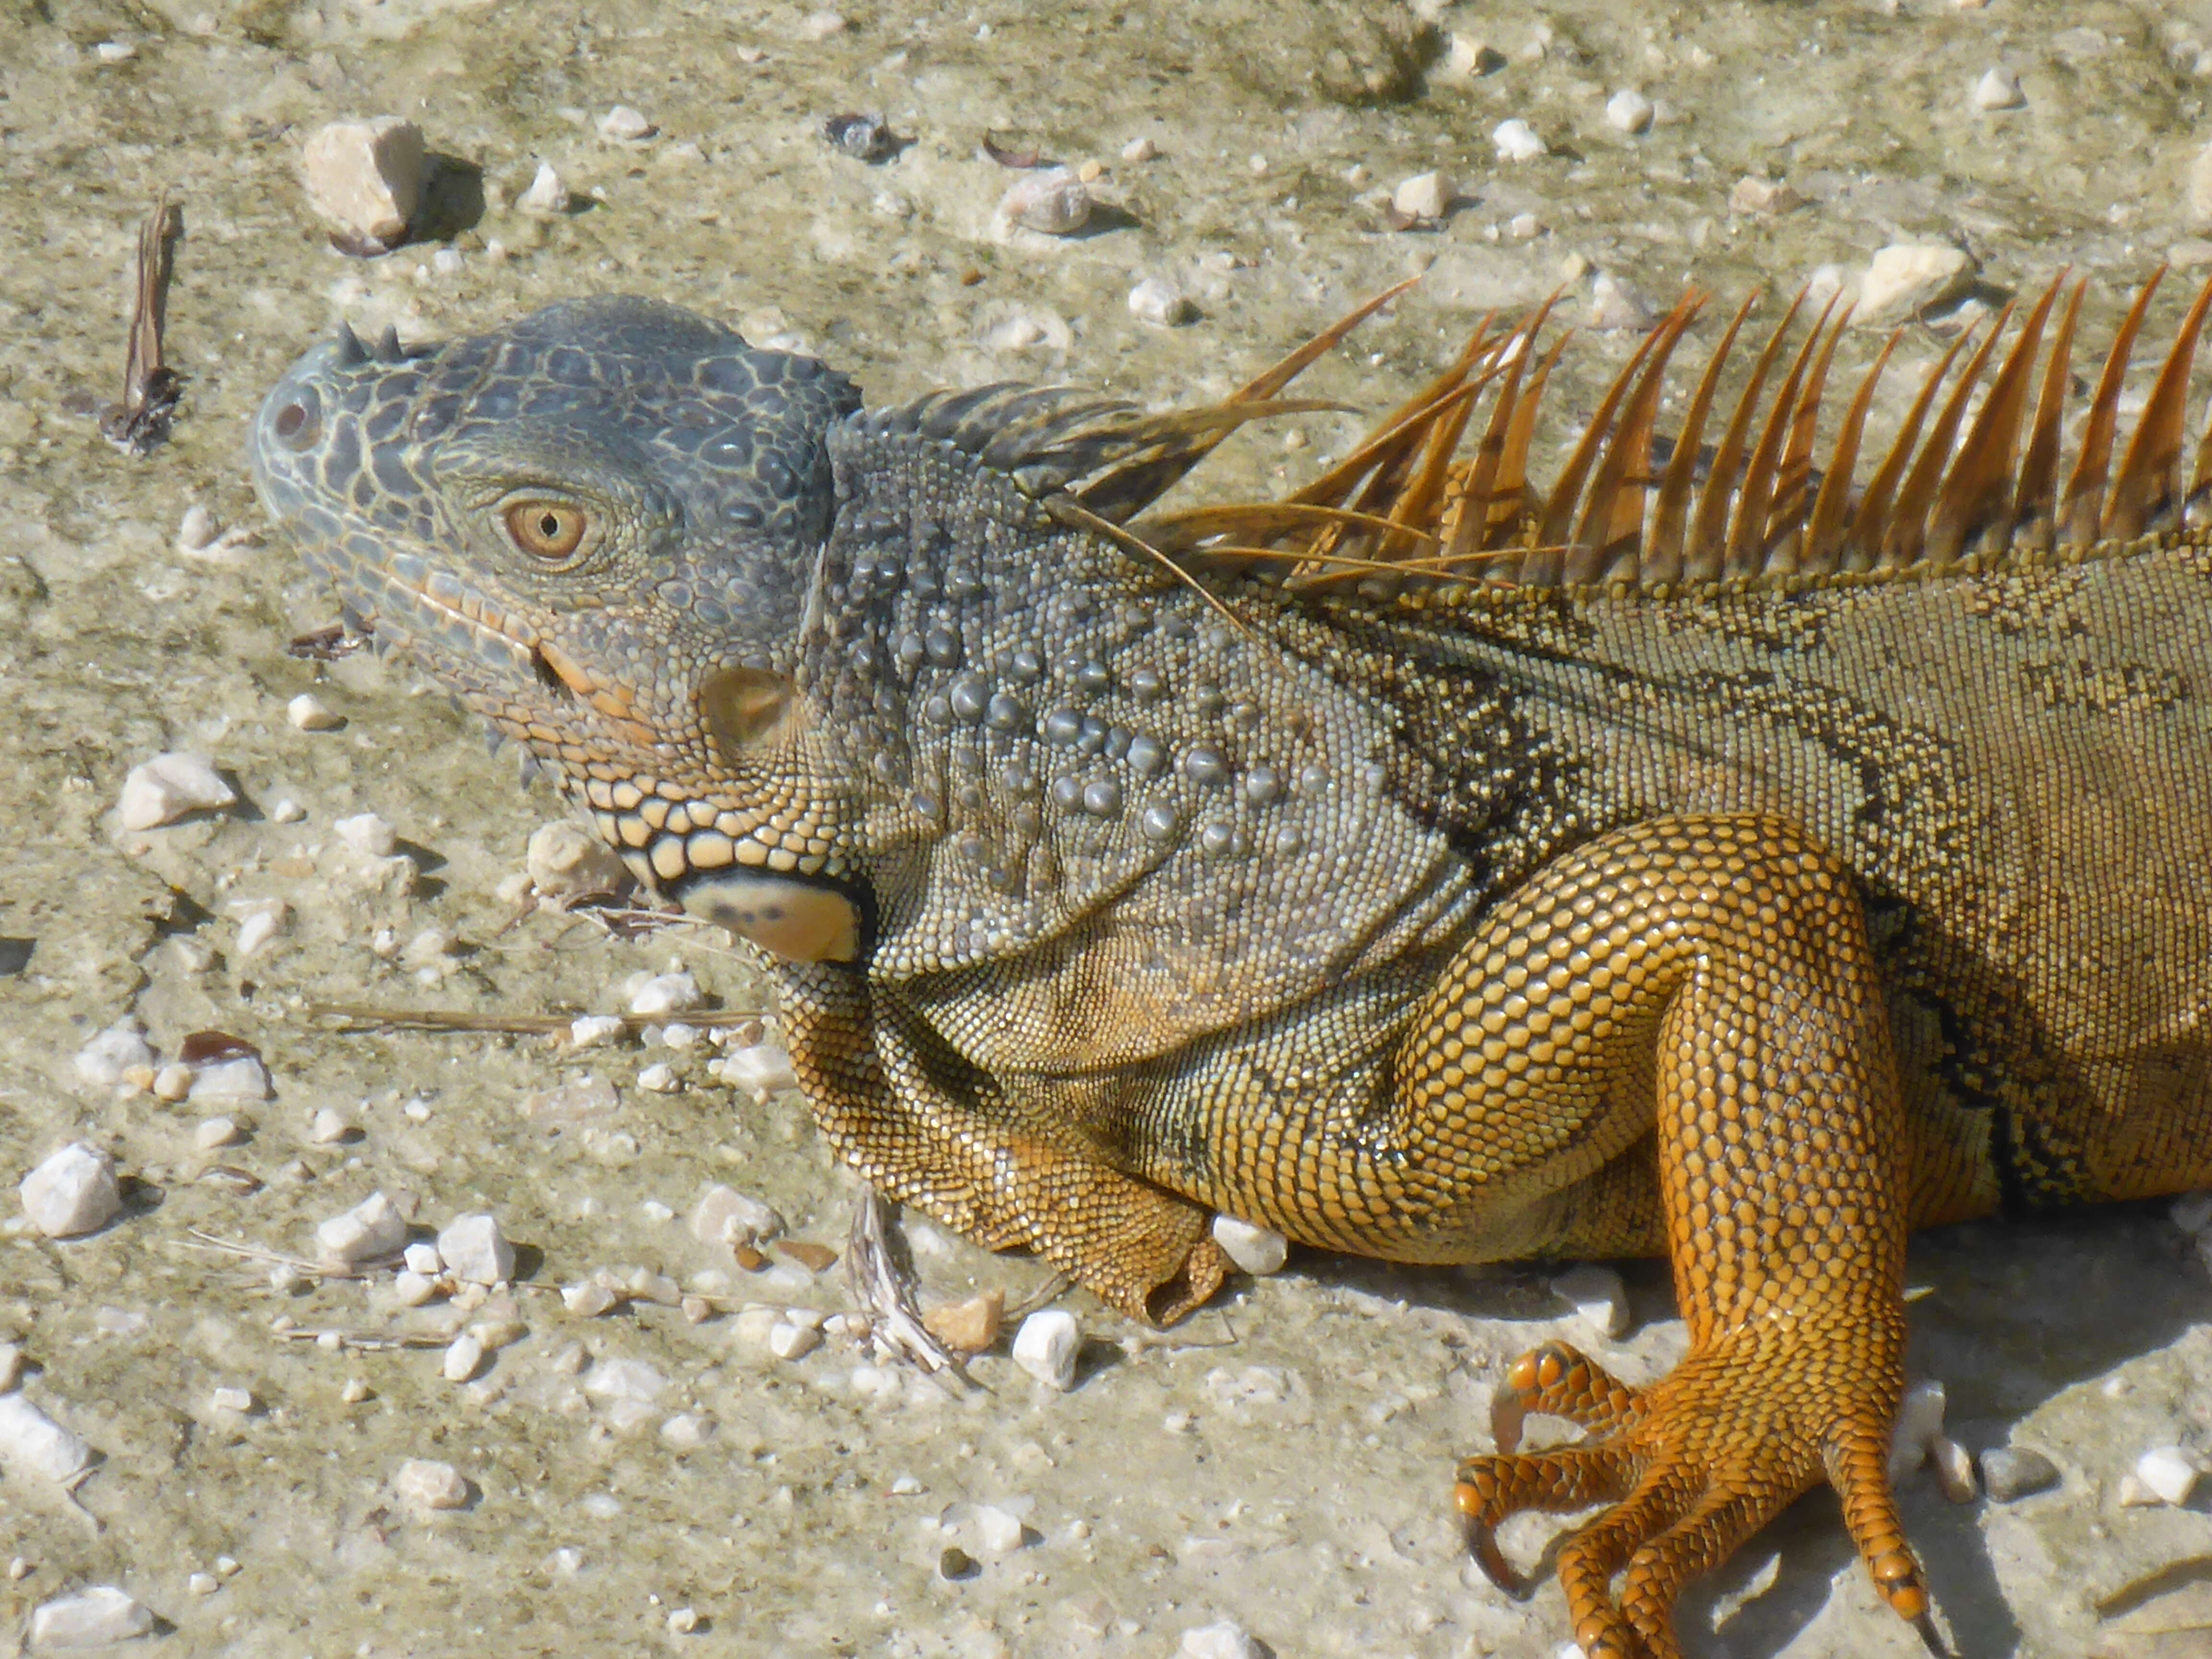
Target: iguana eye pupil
[546,530]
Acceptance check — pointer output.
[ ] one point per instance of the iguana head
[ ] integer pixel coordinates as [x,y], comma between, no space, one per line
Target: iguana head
[599,525]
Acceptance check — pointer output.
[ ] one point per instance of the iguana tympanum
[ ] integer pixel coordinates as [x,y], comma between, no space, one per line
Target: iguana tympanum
[1706,854]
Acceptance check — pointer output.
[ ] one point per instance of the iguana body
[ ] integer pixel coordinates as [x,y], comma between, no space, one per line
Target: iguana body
[1505,876]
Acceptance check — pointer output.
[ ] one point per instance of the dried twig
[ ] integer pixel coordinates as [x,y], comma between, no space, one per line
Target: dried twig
[365,1017]
[151,386]
[879,1285]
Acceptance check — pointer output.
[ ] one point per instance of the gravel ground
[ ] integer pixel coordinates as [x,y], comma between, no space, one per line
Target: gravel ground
[1283,1461]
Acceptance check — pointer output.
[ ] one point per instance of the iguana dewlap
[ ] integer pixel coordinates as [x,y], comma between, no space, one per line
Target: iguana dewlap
[1704,854]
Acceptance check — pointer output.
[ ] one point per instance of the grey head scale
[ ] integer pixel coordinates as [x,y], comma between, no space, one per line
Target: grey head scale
[599,525]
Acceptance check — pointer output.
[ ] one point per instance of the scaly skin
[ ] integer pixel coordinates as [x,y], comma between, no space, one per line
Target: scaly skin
[1751,918]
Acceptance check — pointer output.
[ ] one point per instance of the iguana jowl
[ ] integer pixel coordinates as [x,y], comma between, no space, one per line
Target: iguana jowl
[1702,855]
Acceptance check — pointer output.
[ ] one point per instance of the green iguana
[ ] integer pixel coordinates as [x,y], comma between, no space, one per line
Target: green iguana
[1704,853]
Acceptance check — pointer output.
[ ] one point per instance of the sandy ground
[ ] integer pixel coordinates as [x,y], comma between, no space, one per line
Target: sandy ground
[1284,1460]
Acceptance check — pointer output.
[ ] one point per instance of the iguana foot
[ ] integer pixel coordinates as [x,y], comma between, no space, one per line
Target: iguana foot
[1693,1467]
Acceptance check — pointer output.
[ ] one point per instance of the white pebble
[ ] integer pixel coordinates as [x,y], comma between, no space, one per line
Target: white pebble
[330,1127]
[1524,226]
[422,1484]
[215,1133]
[1919,1421]
[73,1192]
[374,1228]
[1425,197]
[1629,110]
[11,1365]
[2168,1473]
[414,1289]
[464,1358]
[726,1217]
[1516,140]
[588,1300]
[447,261]
[102,1061]
[595,1030]
[90,1618]
[1907,278]
[1997,89]
[876,1382]
[1756,194]
[258,923]
[999,1531]
[686,1431]
[1140,150]
[1047,1345]
[201,1583]
[625,125]
[625,1379]
[821,25]
[1160,302]
[1255,1250]
[2191,1211]
[1052,200]
[1470,56]
[1955,1469]
[173,1081]
[1226,1640]
[476,1251]
[242,1077]
[421,1257]
[1615,305]
[678,1034]
[564,858]
[1597,1295]
[367,177]
[763,1069]
[545,193]
[165,788]
[30,1440]
[660,1078]
[115,51]
[232,1400]
[788,1341]
[288,811]
[666,994]
[309,713]
[368,835]
[683,1621]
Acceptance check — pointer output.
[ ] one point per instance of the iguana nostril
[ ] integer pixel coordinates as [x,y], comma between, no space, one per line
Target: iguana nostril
[298,423]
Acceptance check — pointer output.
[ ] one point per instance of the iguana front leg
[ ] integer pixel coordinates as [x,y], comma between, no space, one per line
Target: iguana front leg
[921,1125]
[1738,946]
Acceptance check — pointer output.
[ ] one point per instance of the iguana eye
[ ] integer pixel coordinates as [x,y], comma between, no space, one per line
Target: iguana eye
[546,530]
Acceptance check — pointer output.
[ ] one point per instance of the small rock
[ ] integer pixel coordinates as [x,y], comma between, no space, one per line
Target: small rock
[1160,302]
[660,1078]
[259,921]
[166,788]
[821,25]
[239,1401]
[726,1217]
[969,1327]
[1424,198]
[464,1358]
[370,1230]
[1255,1250]
[1629,110]
[625,125]
[102,1061]
[330,1127]
[666,994]
[368,835]
[1614,305]
[30,1440]
[686,1431]
[999,1531]
[1470,57]
[173,1081]
[414,1289]
[1046,1347]
[788,1341]
[2191,1211]
[1140,150]
[73,1192]
[1516,140]
[1955,1469]
[683,1621]
[215,1133]
[475,1251]
[876,1382]
[421,1257]
[12,1364]
[546,192]
[287,811]
[2132,1494]
[2168,1473]
[625,1379]
[815,1257]
[1225,1640]
[1758,195]
[422,1484]
[1919,1420]
[1596,1294]
[242,1077]
[90,1618]
[2014,1472]
[565,861]
[115,51]
[1997,89]
[588,1300]
[593,1030]
[1052,200]
[763,1069]
[1524,226]
[366,177]
[309,713]
[197,530]
[201,1583]
[1906,278]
